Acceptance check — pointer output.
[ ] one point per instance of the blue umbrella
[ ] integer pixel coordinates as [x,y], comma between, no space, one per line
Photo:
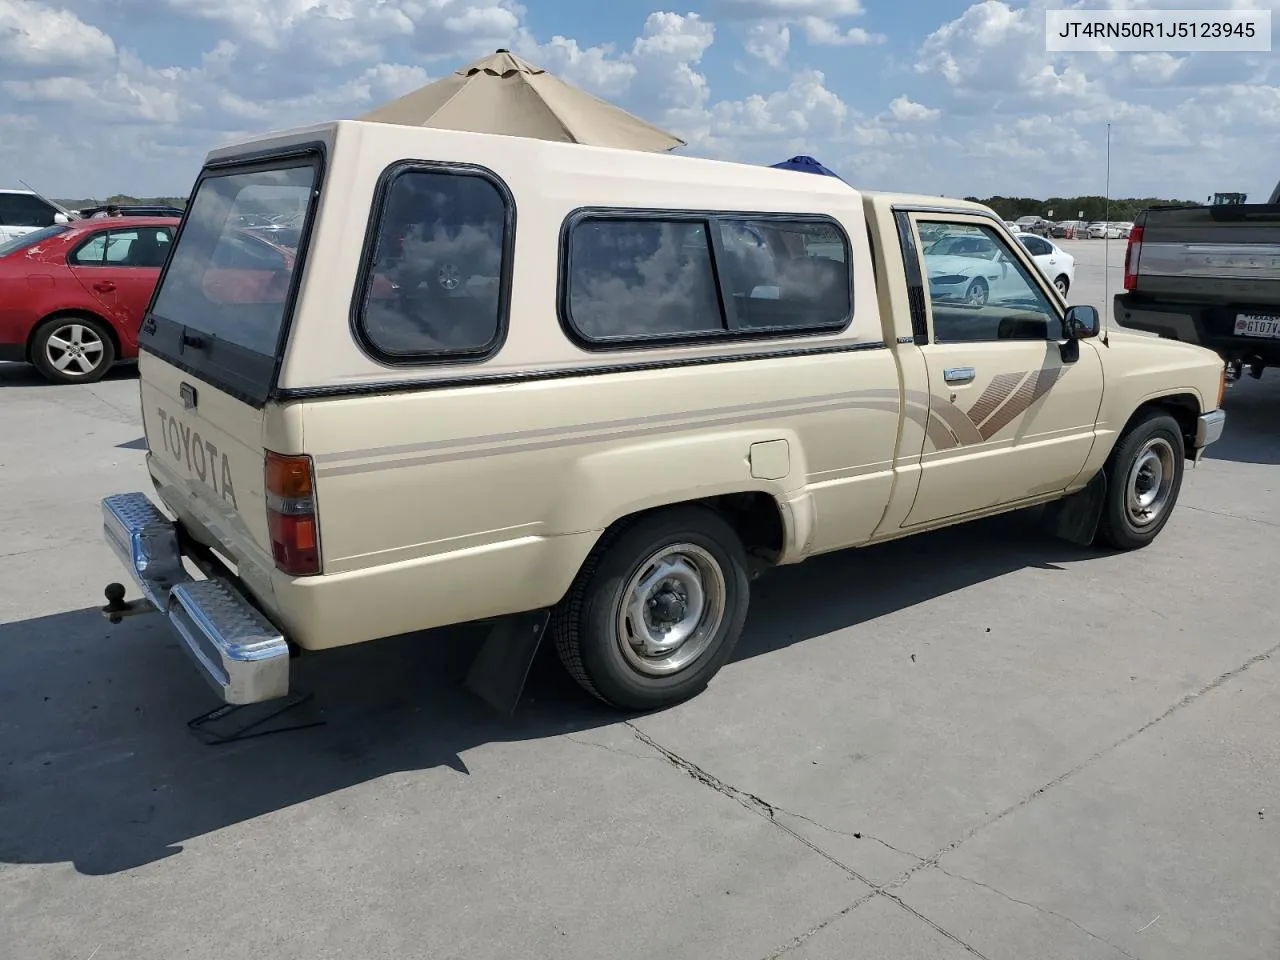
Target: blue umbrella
[806,165]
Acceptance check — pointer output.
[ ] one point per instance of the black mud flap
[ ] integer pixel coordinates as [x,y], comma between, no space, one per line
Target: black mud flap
[1075,518]
[502,663]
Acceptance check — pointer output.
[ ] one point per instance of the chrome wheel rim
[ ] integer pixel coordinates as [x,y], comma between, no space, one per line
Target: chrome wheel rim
[1150,482]
[1061,285]
[74,349]
[977,294]
[671,609]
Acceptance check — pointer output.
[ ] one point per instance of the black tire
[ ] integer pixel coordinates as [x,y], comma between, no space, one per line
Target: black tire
[45,352]
[1156,434]
[1062,283]
[587,624]
[977,292]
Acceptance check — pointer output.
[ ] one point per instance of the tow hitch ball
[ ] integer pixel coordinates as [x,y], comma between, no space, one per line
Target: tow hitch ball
[118,608]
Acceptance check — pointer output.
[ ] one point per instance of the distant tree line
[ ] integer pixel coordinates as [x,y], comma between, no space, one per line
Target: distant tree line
[1069,208]
[124,198]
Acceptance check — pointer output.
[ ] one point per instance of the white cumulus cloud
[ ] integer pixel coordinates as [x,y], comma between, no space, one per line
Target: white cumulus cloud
[906,110]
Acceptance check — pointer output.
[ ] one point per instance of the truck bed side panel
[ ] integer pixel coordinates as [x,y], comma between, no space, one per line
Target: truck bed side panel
[410,486]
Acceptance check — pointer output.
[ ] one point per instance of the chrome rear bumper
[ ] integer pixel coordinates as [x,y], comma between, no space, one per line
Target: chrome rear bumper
[238,650]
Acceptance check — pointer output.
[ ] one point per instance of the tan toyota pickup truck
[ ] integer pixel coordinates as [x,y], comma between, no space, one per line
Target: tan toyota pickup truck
[395,378]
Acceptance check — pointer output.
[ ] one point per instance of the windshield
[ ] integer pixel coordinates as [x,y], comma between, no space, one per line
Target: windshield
[224,299]
[28,240]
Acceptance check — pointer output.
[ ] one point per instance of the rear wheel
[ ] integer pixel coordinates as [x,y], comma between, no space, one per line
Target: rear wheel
[1062,284]
[72,349]
[1144,477]
[656,609]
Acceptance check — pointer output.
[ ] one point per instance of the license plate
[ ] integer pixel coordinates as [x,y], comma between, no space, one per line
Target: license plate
[1254,325]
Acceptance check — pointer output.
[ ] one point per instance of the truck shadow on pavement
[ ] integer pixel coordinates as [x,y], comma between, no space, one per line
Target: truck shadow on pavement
[98,768]
[1252,432]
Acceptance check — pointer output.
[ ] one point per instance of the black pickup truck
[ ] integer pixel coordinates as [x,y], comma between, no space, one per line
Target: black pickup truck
[1210,276]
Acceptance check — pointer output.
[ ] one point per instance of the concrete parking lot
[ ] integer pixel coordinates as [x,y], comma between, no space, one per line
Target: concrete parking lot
[982,742]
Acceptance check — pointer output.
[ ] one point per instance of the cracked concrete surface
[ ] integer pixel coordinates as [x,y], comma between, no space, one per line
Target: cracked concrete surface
[979,743]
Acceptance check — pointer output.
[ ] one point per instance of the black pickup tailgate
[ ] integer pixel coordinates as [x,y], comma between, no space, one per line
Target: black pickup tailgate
[1207,275]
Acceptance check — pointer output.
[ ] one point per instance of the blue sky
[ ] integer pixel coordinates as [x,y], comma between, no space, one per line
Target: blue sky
[936,96]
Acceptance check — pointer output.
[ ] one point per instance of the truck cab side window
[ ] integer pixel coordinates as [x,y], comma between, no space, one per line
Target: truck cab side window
[980,291]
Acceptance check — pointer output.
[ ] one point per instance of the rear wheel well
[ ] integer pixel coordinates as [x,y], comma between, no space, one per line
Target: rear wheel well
[754,516]
[1183,407]
[66,314]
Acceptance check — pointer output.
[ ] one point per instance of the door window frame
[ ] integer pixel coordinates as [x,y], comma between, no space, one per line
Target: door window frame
[909,220]
[76,264]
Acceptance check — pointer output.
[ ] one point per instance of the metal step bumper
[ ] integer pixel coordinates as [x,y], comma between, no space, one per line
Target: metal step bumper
[238,650]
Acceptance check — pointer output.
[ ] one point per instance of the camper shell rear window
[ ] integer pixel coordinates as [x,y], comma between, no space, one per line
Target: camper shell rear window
[224,301]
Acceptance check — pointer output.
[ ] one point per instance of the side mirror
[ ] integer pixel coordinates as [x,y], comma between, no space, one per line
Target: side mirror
[1081,323]
[61,218]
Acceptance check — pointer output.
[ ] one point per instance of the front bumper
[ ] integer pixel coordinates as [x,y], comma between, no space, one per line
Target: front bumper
[1209,427]
[238,650]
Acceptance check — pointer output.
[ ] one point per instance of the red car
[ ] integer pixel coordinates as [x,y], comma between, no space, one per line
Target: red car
[72,295]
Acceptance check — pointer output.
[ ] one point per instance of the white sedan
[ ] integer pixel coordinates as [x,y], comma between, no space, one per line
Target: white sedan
[1054,262]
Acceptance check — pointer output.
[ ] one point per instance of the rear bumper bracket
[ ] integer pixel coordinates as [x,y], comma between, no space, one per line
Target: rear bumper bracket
[243,656]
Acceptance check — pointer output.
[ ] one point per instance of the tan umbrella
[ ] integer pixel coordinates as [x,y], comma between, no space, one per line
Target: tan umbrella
[505,94]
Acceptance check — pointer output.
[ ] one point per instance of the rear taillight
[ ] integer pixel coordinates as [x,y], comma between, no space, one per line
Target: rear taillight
[291,514]
[1132,253]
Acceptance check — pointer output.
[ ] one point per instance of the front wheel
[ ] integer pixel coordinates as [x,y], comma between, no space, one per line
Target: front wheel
[656,610]
[1144,477]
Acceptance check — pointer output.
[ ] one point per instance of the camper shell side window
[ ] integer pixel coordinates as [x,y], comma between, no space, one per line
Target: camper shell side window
[435,278]
[655,277]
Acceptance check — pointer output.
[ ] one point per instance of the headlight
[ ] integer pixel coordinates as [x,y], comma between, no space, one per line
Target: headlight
[949,278]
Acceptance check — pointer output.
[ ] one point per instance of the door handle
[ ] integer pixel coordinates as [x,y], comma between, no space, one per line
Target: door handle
[959,374]
[104,286]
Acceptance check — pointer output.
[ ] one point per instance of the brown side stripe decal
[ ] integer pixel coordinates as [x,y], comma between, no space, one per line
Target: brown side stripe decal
[997,392]
[1032,390]
[957,422]
[940,435]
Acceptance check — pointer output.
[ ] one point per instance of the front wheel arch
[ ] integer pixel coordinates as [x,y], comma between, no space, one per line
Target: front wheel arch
[1183,407]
